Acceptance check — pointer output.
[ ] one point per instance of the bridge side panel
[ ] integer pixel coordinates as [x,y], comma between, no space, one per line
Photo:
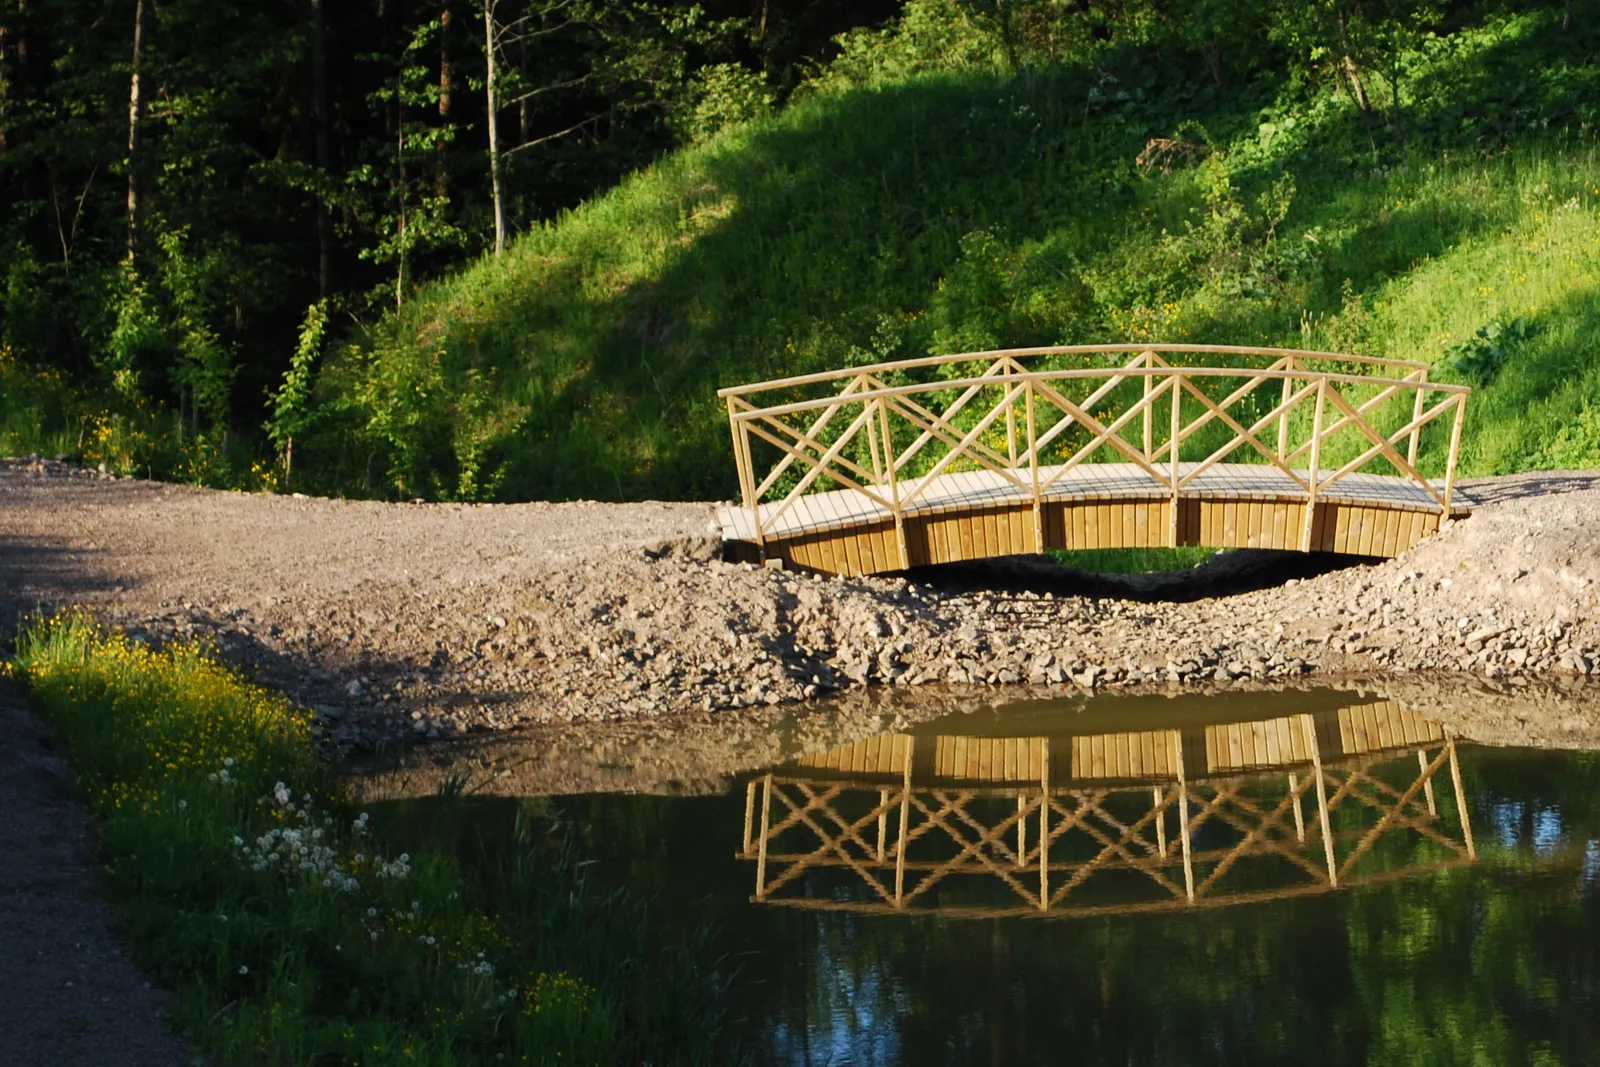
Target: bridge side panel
[946,537]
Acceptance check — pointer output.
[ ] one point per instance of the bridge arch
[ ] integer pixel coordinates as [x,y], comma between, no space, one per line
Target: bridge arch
[880,468]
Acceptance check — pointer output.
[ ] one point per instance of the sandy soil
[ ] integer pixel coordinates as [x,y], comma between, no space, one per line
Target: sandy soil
[427,621]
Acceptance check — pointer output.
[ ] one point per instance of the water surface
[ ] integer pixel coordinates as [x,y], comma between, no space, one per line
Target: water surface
[1257,879]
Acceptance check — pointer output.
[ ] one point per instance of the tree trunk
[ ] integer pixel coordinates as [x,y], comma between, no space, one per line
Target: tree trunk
[1352,77]
[400,197]
[1349,68]
[1219,71]
[446,74]
[319,123]
[1566,16]
[524,111]
[493,103]
[135,127]
[5,84]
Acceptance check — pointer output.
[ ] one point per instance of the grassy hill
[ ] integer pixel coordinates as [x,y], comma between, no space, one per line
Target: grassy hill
[962,210]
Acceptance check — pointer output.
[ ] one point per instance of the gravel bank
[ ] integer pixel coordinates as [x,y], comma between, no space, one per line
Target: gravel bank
[431,621]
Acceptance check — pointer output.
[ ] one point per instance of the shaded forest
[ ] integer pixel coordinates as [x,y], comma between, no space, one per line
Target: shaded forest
[181,181]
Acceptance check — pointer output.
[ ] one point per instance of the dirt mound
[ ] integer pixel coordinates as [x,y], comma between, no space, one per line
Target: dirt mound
[425,621]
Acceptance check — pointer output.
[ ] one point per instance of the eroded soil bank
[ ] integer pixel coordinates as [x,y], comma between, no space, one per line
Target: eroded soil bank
[432,621]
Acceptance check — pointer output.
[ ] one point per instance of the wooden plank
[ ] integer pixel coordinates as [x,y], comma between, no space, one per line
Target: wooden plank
[1091,527]
[1369,527]
[1130,525]
[825,556]
[1391,532]
[950,540]
[1080,526]
[866,542]
[1269,743]
[1412,531]
[963,540]
[852,551]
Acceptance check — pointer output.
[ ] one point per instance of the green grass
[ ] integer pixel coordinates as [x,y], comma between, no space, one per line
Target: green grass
[1134,560]
[963,211]
[292,933]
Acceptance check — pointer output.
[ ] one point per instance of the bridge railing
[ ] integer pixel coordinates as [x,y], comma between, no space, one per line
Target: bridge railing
[888,430]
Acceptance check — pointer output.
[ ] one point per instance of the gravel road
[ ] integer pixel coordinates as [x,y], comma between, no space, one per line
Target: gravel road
[403,621]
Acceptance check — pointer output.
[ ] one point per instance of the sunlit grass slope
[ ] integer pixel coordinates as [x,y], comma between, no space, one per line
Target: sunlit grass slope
[968,211]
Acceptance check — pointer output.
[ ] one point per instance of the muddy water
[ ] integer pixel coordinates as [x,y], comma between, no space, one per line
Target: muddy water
[1312,877]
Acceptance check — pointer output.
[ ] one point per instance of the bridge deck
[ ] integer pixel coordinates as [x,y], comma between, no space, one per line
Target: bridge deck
[976,514]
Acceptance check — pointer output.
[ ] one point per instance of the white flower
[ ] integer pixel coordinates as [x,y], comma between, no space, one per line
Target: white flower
[243,969]
[280,793]
[228,762]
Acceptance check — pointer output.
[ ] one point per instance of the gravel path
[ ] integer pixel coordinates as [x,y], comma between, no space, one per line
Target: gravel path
[429,621]
[69,997]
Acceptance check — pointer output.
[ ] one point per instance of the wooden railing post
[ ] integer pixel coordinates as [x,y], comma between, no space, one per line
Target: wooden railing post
[1175,388]
[1011,418]
[1033,473]
[1416,413]
[1283,419]
[745,466]
[1455,455]
[1316,460]
[894,483]
[873,444]
[1149,415]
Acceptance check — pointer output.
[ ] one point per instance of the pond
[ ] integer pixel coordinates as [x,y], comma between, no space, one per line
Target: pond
[1322,878]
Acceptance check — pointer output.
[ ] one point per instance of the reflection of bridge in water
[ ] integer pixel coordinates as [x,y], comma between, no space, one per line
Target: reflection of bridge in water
[947,458]
[1150,820]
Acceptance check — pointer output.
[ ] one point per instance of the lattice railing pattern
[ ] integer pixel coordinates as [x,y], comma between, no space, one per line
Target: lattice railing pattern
[904,842]
[1172,411]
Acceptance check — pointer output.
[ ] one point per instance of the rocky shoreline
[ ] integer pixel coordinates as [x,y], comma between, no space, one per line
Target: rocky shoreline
[407,622]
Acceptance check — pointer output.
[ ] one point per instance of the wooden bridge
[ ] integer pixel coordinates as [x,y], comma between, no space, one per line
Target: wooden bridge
[1146,820]
[948,458]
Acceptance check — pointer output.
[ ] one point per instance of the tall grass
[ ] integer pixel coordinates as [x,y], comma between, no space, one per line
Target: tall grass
[291,932]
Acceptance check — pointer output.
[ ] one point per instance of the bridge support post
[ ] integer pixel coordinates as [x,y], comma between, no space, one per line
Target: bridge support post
[905,827]
[1044,828]
[1310,727]
[1461,799]
[761,842]
[1183,817]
